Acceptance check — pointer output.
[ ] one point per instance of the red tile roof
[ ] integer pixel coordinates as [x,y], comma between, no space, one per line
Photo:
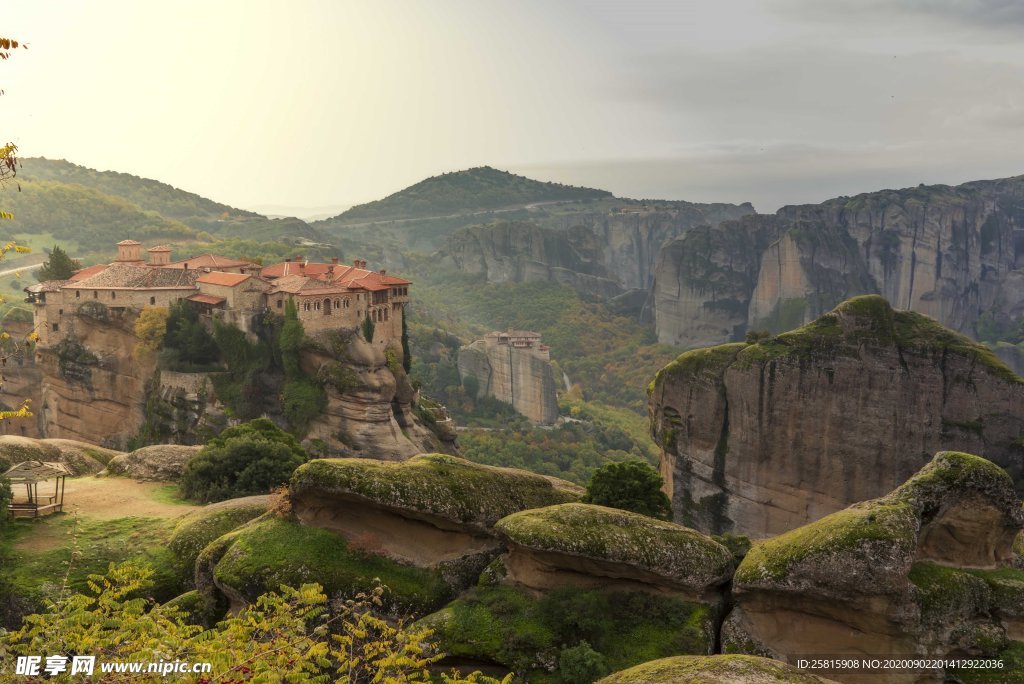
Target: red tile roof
[87,272]
[221,278]
[206,299]
[209,261]
[290,268]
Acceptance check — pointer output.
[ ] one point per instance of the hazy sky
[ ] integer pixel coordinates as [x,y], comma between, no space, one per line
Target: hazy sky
[325,103]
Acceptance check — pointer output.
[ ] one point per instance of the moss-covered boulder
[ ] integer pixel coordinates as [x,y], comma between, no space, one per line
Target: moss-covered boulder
[81,458]
[926,569]
[272,550]
[586,545]
[538,635]
[437,486]
[718,669]
[434,511]
[161,462]
[197,529]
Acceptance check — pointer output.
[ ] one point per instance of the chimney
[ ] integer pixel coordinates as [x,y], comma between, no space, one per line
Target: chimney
[287,260]
[302,267]
[186,265]
[334,260]
[383,272]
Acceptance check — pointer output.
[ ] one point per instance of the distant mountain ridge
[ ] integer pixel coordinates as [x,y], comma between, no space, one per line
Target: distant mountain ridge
[66,199]
[478,189]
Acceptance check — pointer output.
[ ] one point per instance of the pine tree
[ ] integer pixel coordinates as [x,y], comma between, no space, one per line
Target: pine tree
[58,267]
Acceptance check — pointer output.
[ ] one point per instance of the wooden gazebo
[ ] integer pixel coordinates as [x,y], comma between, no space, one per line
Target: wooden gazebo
[30,474]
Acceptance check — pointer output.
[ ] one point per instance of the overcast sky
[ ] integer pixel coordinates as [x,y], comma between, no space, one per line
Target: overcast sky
[316,104]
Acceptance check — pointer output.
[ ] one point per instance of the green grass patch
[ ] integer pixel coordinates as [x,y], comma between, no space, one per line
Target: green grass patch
[275,551]
[73,547]
[506,625]
[170,494]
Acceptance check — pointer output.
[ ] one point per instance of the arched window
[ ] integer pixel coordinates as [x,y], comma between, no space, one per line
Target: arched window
[346,302]
[316,305]
[305,306]
[327,307]
[113,294]
[78,294]
[385,314]
[152,300]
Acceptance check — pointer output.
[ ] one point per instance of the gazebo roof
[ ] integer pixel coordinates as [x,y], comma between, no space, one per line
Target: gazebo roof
[36,471]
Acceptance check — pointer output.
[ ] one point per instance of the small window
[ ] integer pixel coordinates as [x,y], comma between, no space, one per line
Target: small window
[56,327]
[279,303]
[60,311]
[95,294]
[78,294]
[113,295]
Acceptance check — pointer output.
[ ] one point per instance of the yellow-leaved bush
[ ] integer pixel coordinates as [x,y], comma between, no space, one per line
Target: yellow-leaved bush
[290,636]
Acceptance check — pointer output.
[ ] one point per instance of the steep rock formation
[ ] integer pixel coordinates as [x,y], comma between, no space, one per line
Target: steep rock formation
[760,438]
[369,399]
[952,253]
[923,571]
[520,377]
[604,254]
[159,462]
[93,388]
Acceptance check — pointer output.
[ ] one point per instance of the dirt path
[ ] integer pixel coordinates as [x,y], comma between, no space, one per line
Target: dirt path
[119,497]
[104,498]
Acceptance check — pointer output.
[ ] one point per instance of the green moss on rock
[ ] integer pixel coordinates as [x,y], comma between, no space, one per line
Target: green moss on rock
[871,545]
[869,320]
[718,669]
[708,362]
[672,551]
[436,484]
[271,551]
[526,633]
[863,533]
[947,595]
[197,529]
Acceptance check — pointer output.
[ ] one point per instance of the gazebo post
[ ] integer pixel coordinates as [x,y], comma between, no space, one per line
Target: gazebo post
[61,508]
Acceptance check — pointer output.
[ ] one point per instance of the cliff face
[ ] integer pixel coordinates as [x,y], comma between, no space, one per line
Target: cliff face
[952,253]
[21,380]
[518,377]
[605,254]
[369,399]
[763,437]
[93,388]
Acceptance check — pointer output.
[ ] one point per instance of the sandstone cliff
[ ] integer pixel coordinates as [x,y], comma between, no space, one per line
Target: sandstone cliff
[94,387]
[519,377]
[21,380]
[763,437]
[605,254]
[953,253]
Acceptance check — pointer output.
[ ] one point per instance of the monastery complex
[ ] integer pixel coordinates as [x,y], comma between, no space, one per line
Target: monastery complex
[327,296]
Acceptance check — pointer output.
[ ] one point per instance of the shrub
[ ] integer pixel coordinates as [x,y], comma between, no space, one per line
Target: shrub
[251,458]
[631,486]
[303,401]
[580,664]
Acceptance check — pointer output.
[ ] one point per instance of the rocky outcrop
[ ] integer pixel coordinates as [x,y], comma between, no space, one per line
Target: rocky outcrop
[96,388]
[20,379]
[591,546]
[719,669]
[93,388]
[369,407]
[924,571]
[79,457]
[953,253]
[760,438]
[423,526]
[604,254]
[520,377]
[160,462]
